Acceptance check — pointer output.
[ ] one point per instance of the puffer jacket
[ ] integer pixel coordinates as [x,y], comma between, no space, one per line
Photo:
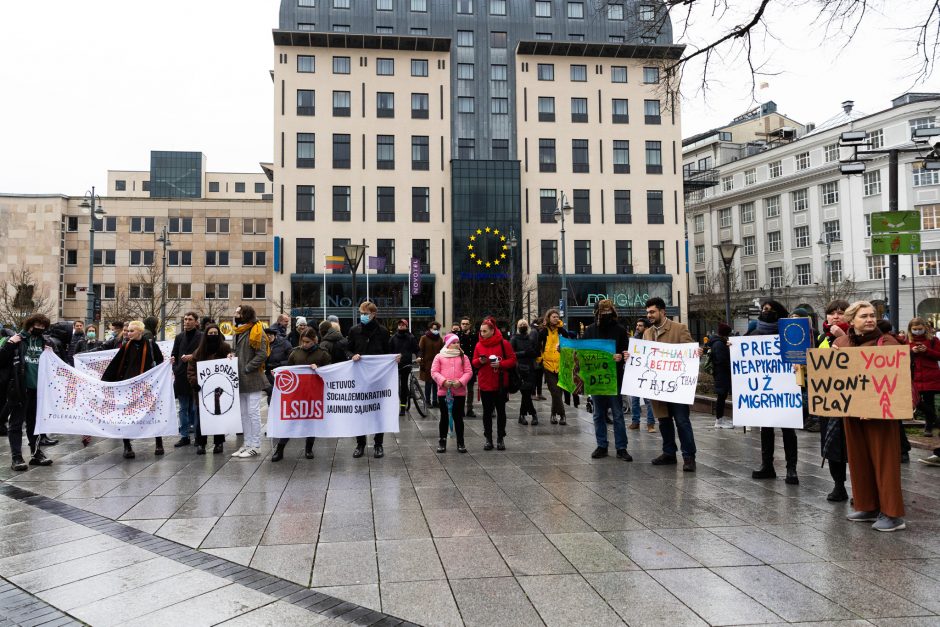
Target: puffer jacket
[451,368]
[491,380]
[926,370]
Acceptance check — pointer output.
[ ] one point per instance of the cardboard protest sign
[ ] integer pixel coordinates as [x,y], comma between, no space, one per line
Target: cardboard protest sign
[219,409]
[864,381]
[661,372]
[795,339]
[592,361]
[764,388]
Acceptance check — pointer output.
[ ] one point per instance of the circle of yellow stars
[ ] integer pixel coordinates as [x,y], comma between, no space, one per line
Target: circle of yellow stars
[479,235]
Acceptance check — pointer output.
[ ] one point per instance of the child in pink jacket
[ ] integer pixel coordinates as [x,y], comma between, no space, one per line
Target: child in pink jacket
[452,372]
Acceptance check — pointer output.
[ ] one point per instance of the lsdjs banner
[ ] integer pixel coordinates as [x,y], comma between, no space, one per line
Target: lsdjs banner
[591,361]
[661,372]
[72,402]
[336,401]
[219,409]
[94,363]
[764,389]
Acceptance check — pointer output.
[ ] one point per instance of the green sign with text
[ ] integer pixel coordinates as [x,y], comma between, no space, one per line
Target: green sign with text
[895,244]
[895,222]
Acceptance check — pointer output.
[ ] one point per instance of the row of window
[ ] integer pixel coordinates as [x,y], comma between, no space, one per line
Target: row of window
[498,8]
[120,185]
[802,276]
[580,160]
[307,262]
[250,226]
[801,239]
[619,110]
[307,64]
[581,206]
[214,258]
[174,291]
[424,32]
[578,73]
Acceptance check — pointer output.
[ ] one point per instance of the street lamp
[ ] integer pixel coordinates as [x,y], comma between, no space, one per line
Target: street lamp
[91,206]
[825,241]
[727,251]
[560,211]
[513,242]
[164,239]
[354,254]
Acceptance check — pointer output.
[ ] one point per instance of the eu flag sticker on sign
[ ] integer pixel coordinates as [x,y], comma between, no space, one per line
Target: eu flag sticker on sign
[795,339]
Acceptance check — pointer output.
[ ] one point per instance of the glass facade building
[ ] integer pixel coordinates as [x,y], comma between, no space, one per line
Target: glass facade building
[176,174]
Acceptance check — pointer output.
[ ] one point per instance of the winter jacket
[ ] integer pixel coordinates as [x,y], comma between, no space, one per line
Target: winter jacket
[449,368]
[134,358]
[526,348]
[611,331]
[250,363]
[316,357]
[549,355]
[670,333]
[488,379]
[468,341]
[14,358]
[334,343]
[721,364]
[368,339]
[185,343]
[76,346]
[405,344]
[428,347]
[224,351]
[926,371]
[280,350]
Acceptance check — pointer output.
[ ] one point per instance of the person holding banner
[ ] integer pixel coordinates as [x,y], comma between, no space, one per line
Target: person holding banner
[251,349]
[672,416]
[550,358]
[405,344]
[874,452]
[492,360]
[452,372]
[526,347]
[307,354]
[183,346]
[925,352]
[212,346]
[607,327]
[642,324]
[369,338]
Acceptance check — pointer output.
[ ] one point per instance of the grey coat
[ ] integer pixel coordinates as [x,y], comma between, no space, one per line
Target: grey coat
[251,376]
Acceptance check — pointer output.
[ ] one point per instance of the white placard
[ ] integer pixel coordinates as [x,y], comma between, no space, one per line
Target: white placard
[219,409]
[661,372]
[764,389]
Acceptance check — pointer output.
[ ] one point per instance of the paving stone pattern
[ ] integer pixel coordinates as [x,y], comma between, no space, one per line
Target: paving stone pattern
[537,534]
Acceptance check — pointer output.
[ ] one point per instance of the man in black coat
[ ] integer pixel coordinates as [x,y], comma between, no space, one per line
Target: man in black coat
[405,344]
[607,327]
[77,344]
[280,350]
[184,345]
[468,343]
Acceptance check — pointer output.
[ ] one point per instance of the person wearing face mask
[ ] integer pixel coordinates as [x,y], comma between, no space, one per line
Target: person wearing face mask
[429,346]
[405,344]
[211,346]
[91,339]
[183,346]
[492,359]
[310,354]
[280,350]
[526,346]
[925,352]
[607,327]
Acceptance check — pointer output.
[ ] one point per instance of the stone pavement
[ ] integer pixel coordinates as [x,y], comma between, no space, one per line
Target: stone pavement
[537,534]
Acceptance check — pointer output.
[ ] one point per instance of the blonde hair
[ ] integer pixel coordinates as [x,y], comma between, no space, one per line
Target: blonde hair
[919,322]
[135,325]
[521,322]
[853,309]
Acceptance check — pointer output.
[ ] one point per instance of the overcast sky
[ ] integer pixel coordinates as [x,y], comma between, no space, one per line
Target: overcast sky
[92,86]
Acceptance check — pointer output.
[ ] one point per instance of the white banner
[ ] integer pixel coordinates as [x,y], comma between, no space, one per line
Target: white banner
[72,402]
[219,409]
[764,389]
[94,363]
[336,401]
[661,372]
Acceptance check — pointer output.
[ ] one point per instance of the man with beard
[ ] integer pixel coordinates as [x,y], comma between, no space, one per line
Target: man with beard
[607,327]
[184,345]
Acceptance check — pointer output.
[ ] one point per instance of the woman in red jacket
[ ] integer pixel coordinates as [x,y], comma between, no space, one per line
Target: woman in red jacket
[925,352]
[492,358]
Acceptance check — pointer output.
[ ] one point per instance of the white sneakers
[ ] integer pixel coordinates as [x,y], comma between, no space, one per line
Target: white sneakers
[239,452]
[247,452]
[724,423]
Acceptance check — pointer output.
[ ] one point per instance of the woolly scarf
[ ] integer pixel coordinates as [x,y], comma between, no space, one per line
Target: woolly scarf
[860,340]
[255,337]
[453,350]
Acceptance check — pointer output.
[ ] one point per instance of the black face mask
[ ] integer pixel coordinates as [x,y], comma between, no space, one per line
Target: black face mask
[523,330]
[213,342]
[607,318]
[37,332]
[237,320]
[769,316]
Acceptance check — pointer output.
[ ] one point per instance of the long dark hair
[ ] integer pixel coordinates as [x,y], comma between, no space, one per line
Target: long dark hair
[202,351]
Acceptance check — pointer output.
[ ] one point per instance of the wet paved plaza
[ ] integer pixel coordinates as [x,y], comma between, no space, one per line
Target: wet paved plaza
[540,533]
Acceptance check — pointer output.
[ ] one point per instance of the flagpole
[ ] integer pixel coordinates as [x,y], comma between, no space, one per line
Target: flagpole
[408,288]
[324,286]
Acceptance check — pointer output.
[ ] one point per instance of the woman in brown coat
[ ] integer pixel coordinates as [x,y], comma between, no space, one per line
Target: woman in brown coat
[873,445]
[429,346]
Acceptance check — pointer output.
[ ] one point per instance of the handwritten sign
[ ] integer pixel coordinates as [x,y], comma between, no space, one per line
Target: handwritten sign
[865,382]
[763,388]
[661,372]
[795,339]
[591,361]
[219,409]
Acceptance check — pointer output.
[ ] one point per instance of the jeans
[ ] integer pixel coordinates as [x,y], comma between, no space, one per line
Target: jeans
[187,414]
[638,411]
[25,413]
[494,400]
[251,418]
[601,405]
[430,392]
[678,418]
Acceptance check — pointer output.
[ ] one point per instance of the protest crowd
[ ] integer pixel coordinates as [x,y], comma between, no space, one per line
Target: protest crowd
[479,363]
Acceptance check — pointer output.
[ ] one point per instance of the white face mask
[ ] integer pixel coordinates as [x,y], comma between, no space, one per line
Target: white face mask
[435,332]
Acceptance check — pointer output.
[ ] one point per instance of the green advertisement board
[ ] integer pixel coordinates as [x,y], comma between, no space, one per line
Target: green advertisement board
[895,222]
[895,244]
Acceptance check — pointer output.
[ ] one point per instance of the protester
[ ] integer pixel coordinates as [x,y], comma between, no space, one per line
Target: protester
[150,328]
[536,330]
[607,327]
[281,326]
[721,371]
[332,341]
[204,322]
[280,350]
[251,349]
[21,355]
[77,344]
[91,340]
[369,338]
[526,346]
[212,345]
[183,346]
[642,324]
[452,371]
[307,354]
[925,352]
[136,356]
[405,344]
[834,326]
[468,344]
[550,358]
[429,346]
[115,337]
[493,357]
[671,416]
[300,325]
[831,431]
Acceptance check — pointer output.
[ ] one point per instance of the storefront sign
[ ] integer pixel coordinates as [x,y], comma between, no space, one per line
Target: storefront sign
[415,276]
[623,299]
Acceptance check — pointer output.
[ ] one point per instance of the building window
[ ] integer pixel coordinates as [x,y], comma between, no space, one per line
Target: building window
[549,256]
[727,183]
[385,152]
[615,39]
[253,291]
[217,225]
[176,258]
[145,257]
[876,267]
[120,186]
[832,231]
[830,193]
[547,205]
[698,223]
[341,104]
[724,218]
[654,207]
[214,186]
[419,106]
[799,200]
[465,71]
[579,73]
[922,177]
[546,155]
[419,67]
[651,112]
[747,212]
[421,249]
[776,277]
[499,106]
[465,104]
[546,71]
[465,39]
[254,226]
[773,242]
[750,279]
[775,169]
[385,67]
[701,283]
[499,72]
[750,177]
[546,109]
[216,291]
[928,262]
[259,188]
[306,202]
[929,217]
[872,182]
[466,148]
[802,160]
[772,206]
[385,249]
[801,237]
[619,111]
[420,153]
[651,75]
[306,150]
[342,203]
[109,225]
[419,6]
[579,110]
[582,206]
[654,157]
[385,104]
[621,156]
[142,225]
[420,204]
[340,28]
[240,188]
[253,258]
[657,250]
[575,11]
[214,258]
[341,65]
[876,138]
[497,7]
[925,122]
[543,8]
[385,204]
[804,274]
[700,253]
[622,210]
[498,39]
[181,225]
[341,151]
[835,271]
[618,74]
[340,4]
[304,255]
[831,153]
[750,246]
[500,149]
[465,7]
[647,13]
[71,257]
[623,256]
[384,5]
[138,291]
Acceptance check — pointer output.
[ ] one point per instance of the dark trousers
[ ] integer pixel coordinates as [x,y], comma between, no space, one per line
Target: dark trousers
[282,442]
[377,440]
[403,376]
[929,409]
[720,405]
[551,380]
[157,442]
[430,392]
[767,446]
[25,413]
[837,472]
[494,400]
[539,375]
[678,418]
[470,387]
[202,440]
[527,408]
[444,425]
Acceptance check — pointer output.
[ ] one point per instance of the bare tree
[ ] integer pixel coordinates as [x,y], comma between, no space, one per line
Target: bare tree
[846,289]
[120,308]
[709,304]
[21,297]
[143,298]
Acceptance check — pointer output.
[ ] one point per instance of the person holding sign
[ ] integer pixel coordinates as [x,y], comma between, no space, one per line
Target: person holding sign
[671,415]
[549,341]
[493,358]
[925,351]
[212,346]
[307,354]
[874,452]
[607,327]
[452,372]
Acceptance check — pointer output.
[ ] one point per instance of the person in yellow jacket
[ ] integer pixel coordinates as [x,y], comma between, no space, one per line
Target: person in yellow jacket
[550,358]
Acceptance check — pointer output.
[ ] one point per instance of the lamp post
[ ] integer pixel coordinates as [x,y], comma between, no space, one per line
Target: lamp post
[91,205]
[164,239]
[354,254]
[513,242]
[826,241]
[727,251]
[560,211]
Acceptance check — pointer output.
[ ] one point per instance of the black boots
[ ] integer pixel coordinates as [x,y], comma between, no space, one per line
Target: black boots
[766,470]
[158,448]
[442,445]
[838,494]
[308,449]
[129,451]
[522,420]
[40,459]
[279,450]
[19,463]
[792,479]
